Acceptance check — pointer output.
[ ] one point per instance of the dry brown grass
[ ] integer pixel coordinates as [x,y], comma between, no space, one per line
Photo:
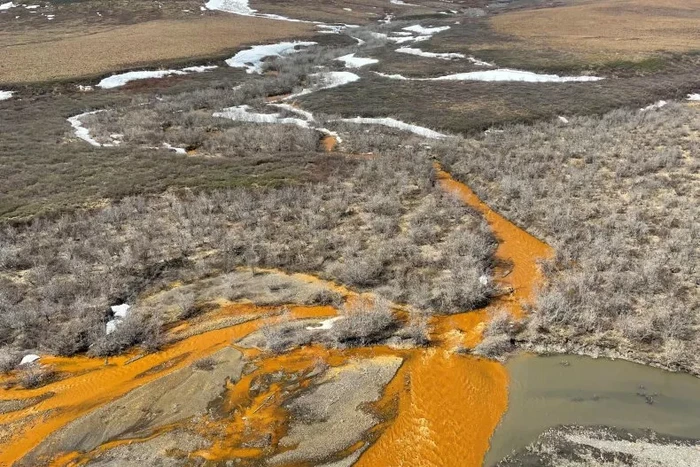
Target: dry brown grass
[611,29]
[58,53]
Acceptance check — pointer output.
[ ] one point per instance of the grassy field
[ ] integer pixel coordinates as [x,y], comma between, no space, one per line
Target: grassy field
[610,30]
[56,53]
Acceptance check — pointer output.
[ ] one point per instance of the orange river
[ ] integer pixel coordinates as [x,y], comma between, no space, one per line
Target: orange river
[447,404]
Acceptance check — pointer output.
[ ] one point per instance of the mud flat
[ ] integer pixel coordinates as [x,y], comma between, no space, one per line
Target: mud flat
[180,395]
[547,392]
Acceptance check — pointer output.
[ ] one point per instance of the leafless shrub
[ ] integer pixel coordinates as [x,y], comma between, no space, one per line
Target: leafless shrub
[287,335]
[325,296]
[364,322]
[8,361]
[33,376]
[417,331]
[205,364]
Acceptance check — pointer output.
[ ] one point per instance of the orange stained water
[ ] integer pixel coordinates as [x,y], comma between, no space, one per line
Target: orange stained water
[446,405]
[91,383]
[446,414]
[329,142]
[515,245]
[452,403]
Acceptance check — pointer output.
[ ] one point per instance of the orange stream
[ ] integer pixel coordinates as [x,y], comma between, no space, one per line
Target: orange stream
[453,403]
[447,404]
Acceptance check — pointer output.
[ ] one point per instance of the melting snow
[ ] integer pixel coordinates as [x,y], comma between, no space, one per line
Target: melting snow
[4,95]
[694,97]
[29,358]
[501,74]
[327,80]
[83,132]
[351,61]
[417,28]
[563,119]
[7,6]
[393,123]
[176,149]
[120,311]
[241,113]
[121,79]
[420,53]
[654,106]
[252,59]
[505,74]
[237,7]
[401,2]
[324,325]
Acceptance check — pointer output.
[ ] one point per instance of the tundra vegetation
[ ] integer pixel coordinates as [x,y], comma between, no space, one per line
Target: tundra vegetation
[613,194]
[384,227]
[617,197]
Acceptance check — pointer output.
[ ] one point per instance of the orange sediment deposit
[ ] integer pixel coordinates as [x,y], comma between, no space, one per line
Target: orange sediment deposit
[329,142]
[95,383]
[515,246]
[446,414]
[439,410]
[451,403]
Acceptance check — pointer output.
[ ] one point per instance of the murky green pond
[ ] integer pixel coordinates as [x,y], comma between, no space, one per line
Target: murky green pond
[563,390]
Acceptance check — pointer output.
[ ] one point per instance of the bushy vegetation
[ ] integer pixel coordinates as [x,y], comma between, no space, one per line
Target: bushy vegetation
[616,196]
[386,228]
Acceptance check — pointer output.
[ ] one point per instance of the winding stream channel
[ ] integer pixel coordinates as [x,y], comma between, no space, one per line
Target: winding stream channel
[441,407]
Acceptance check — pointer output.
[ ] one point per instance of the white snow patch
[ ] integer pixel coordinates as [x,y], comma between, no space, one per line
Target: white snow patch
[563,119]
[393,123]
[7,6]
[401,2]
[199,69]
[505,74]
[252,59]
[654,106]
[501,74]
[83,132]
[237,7]
[173,148]
[391,76]
[4,95]
[327,80]
[478,62]
[29,358]
[82,88]
[31,7]
[351,61]
[359,41]
[417,28]
[242,8]
[120,311]
[121,79]
[420,53]
[324,325]
[111,326]
[242,113]
[308,116]
[694,97]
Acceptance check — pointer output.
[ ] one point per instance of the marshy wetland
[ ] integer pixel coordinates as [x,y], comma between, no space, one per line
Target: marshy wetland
[333,234]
